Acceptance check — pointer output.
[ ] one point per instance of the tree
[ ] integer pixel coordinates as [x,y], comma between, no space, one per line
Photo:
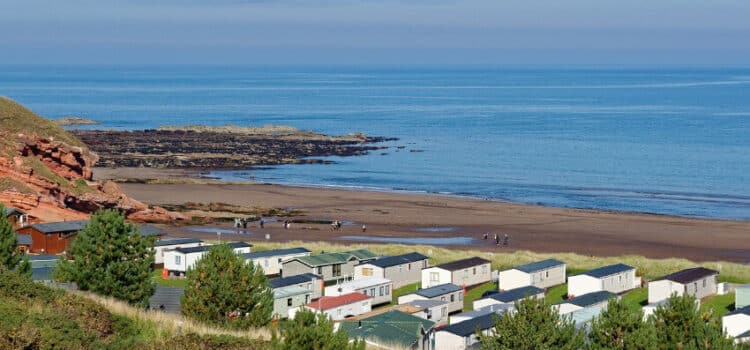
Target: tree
[621,328]
[534,325]
[111,257]
[680,325]
[313,331]
[222,289]
[10,257]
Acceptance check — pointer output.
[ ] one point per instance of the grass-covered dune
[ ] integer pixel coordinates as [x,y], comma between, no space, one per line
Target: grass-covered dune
[34,316]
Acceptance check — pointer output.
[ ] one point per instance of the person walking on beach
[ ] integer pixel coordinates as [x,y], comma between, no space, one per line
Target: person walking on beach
[497,240]
[261,222]
[364,228]
[505,240]
[486,234]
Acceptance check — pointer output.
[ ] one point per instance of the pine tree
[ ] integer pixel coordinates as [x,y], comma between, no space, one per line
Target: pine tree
[309,330]
[534,325]
[680,325]
[621,328]
[110,257]
[222,289]
[10,257]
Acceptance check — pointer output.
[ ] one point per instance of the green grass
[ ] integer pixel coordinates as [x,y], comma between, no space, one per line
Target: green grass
[176,282]
[720,304]
[409,288]
[556,294]
[636,298]
[16,118]
[476,293]
[8,184]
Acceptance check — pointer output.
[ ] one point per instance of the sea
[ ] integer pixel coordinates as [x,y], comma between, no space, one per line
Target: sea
[663,140]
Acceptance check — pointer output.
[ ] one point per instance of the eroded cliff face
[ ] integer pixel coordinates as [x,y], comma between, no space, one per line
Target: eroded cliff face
[52,179]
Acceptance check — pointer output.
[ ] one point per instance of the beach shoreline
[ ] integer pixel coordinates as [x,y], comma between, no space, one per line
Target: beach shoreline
[395,217]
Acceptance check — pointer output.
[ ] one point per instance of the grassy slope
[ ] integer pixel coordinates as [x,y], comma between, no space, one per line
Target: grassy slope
[18,119]
[38,317]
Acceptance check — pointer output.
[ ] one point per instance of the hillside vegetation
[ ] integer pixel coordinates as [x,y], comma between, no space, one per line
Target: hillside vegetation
[16,118]
[34,316]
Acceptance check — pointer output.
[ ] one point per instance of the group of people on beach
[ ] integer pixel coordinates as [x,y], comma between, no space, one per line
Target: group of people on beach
[506,239]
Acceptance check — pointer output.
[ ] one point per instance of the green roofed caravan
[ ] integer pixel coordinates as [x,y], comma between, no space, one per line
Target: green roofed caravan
[332,267]
[392,329]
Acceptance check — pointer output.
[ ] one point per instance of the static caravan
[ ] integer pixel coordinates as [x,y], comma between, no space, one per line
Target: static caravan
[401,269]
[465,273]
[542,274]
[432,310]
[616,278]
[377,288]
[342,306]
[332,267]
[160,247]
[498,309]
[737,324]
[288,298]
[179,260]
[598,300]
[463,335]
[509,297]
[742,296]
[392,330]
[699,282]
[270,260]
[309,281]
[450,293]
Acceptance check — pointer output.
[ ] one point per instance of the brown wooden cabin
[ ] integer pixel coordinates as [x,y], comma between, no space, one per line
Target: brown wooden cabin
[17,217]
[55,237]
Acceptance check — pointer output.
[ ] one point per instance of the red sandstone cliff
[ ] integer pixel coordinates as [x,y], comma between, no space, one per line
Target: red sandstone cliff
[47,172]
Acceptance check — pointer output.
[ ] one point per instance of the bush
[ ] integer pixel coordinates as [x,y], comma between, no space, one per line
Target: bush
[309,330]
[534,325]
[224,290]
[110,257]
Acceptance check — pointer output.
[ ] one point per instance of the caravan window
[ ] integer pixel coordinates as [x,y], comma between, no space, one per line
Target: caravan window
[177,260]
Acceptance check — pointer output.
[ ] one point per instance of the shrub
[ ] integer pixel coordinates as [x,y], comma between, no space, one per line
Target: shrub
[224,290]
[110,257]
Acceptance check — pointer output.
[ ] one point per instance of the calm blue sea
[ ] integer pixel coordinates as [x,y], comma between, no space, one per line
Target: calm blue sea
[645,139]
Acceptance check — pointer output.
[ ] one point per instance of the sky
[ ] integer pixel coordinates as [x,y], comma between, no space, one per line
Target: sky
[375,32]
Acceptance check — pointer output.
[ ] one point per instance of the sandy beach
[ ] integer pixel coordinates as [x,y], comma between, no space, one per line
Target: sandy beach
[430,219]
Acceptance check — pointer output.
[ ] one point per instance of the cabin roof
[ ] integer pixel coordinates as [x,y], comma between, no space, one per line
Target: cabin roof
[512,295]
[689,275]
[469,327]
[608,270]
[539,265]
[392,327]
[438,290]
[274,252]
[389,261]
[205,248]
[463,264]
[292,280]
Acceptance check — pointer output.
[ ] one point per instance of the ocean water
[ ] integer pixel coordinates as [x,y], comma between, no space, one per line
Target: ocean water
[645,139]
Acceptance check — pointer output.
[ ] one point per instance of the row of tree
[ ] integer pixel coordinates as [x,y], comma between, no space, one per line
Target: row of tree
[678,324]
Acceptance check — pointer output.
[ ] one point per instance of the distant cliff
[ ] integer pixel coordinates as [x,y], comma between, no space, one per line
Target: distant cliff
[46,171]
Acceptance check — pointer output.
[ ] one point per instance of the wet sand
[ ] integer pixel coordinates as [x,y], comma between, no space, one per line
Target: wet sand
[398,215]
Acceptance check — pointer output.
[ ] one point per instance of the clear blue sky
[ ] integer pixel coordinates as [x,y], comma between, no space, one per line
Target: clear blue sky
[376,31]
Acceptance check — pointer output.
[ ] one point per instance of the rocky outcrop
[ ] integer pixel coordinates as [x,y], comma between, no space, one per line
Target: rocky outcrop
[44,174]
[227,147]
